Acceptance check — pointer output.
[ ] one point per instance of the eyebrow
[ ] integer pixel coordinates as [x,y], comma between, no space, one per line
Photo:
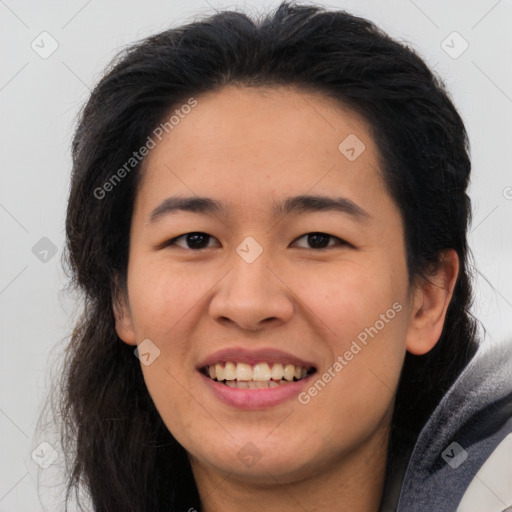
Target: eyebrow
[295,204]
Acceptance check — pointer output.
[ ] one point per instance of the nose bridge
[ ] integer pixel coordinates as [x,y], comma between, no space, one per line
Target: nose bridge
[251,293]
[250,274]
[254,272]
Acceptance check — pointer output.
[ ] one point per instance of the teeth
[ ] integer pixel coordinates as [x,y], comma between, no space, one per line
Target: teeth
[277,371]
[219,371]
[243,372]
[252,384]
[261,375]
[289,372]
[260,372]
[230,371]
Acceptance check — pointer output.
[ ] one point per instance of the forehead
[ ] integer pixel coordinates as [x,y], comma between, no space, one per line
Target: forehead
[282,118]
[244,144]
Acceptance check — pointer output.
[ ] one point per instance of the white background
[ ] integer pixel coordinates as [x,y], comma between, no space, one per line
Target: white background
[39,99]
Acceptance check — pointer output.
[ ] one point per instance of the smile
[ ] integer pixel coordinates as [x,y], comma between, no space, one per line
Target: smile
[256,376]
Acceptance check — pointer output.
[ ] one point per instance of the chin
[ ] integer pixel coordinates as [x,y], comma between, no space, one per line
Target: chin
[259,460]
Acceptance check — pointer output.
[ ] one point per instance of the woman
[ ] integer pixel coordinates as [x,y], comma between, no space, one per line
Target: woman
[268,223]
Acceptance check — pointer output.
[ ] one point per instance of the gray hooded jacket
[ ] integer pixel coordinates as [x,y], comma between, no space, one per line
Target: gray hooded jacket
[462,459]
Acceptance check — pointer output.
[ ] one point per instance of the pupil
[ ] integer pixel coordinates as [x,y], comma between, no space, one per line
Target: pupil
[200,240]
[315,240]
[194,240]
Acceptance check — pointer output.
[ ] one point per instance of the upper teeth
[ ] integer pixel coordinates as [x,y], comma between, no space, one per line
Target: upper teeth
[257,372]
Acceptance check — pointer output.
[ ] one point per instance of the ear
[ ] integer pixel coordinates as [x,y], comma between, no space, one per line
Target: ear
[430,302]
[122,314]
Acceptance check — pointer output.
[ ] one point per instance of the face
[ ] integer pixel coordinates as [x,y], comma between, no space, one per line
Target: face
[256,288]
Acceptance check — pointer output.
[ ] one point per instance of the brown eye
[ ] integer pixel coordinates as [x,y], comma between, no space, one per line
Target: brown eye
[319,240]
[195,240]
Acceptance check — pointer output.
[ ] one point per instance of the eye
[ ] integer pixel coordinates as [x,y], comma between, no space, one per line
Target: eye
[321,240]
[195,240]
[198,240]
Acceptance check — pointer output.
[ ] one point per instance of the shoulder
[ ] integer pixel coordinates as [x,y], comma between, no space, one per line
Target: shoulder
[491,488]
[462,460]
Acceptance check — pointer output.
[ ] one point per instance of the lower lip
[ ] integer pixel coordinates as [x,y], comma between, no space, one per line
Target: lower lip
[255,399]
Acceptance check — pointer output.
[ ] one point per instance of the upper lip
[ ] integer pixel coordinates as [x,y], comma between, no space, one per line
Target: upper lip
[253,356]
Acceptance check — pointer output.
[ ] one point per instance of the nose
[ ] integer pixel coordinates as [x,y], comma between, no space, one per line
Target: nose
[252,295]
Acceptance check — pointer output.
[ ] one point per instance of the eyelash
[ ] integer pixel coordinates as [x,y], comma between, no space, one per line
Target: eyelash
[341,242]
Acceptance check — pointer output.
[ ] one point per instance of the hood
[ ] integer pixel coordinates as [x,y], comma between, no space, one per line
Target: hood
[471,420]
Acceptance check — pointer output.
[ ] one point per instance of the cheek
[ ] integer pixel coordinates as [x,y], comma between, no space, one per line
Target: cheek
[161,296]
[361,310]
[347,297]
[355,391]
[163,302]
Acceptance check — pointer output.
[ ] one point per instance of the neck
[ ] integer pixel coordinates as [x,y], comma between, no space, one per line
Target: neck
[352,483]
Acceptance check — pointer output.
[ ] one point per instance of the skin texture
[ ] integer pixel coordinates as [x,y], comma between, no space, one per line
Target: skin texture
[248,147]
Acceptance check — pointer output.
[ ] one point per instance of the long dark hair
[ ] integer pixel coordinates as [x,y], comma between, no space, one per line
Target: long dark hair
[116,444]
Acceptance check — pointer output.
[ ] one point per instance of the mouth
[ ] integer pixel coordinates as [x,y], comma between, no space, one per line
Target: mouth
[262,375]
[254,379]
